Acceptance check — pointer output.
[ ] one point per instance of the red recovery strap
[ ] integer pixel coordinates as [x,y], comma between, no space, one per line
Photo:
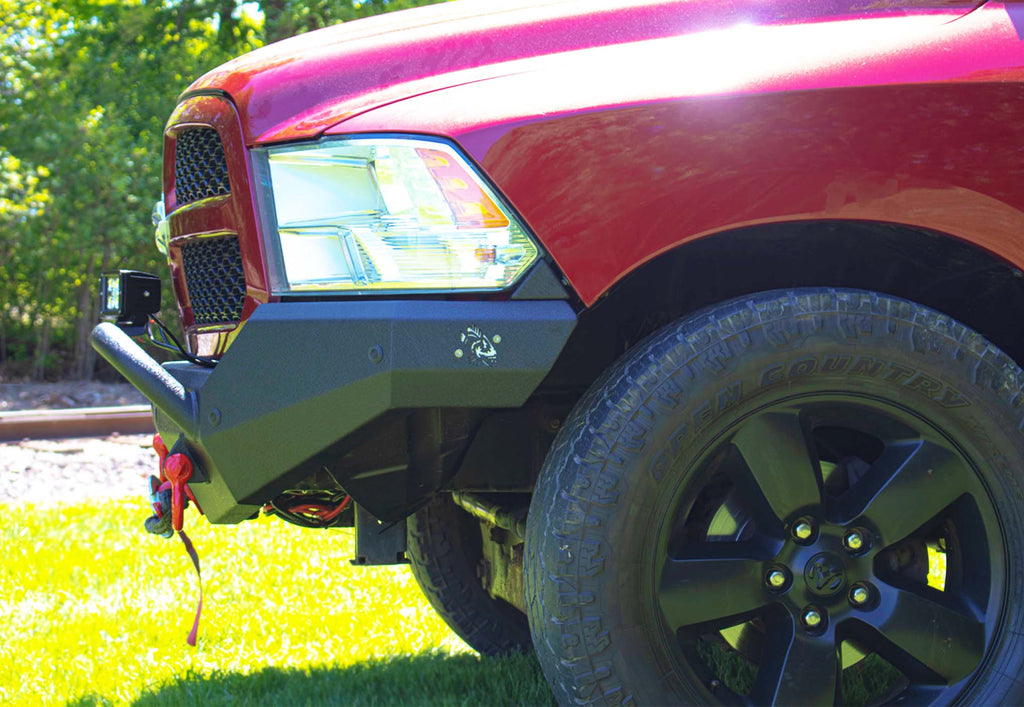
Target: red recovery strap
[190,549]
[175,471]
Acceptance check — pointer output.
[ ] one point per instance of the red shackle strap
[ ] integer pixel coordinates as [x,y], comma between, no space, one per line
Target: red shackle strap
[178,469]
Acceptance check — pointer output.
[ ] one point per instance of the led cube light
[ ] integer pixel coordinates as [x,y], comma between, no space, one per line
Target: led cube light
[130,297]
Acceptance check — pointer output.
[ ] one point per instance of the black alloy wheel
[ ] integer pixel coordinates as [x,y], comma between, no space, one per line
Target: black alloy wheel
[824,529]
[799,498]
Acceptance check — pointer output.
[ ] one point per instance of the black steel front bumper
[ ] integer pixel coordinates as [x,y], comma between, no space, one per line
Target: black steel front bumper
[300,376]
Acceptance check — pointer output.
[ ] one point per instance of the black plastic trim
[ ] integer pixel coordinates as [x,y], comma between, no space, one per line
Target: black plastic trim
[540,283]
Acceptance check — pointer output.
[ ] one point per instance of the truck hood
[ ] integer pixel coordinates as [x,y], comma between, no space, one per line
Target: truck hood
[299,87]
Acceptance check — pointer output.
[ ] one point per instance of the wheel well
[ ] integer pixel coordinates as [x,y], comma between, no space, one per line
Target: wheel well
[936,270]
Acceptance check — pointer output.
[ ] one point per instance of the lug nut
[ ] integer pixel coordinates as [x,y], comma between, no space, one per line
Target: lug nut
[777,579]
[812,618]
[854,541]
[803,530]
[859,596]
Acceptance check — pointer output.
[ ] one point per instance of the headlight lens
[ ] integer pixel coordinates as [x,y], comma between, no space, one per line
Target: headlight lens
[389,214]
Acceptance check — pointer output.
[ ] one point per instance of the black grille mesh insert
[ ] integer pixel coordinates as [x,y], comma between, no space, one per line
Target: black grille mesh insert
[214,278]
[200,170]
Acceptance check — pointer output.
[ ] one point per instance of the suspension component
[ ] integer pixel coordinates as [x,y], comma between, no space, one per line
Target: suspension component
[510,519]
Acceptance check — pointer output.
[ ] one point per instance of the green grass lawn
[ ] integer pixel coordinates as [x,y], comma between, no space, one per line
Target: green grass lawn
[95,611]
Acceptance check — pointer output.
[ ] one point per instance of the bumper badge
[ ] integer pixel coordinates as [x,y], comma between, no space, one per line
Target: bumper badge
[478,347]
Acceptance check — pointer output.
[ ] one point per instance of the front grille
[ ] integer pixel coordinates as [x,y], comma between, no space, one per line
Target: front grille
[200,170]
[214,278]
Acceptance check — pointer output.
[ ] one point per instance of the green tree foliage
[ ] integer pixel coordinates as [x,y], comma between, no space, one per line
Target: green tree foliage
[22,198]
[285,18]
[85,89]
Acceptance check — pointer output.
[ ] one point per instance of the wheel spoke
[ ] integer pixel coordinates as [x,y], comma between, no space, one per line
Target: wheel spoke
[947,642]
[911,483]
[796,669]
[695,591]
[781,461]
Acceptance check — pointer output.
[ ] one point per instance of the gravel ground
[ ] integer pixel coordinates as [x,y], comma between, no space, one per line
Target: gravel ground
[57,396]
[70,470]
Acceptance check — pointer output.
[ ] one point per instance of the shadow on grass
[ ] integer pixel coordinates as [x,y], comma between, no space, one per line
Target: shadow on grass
[429,679]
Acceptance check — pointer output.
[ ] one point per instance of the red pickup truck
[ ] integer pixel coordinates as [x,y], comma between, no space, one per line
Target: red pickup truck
[678,341]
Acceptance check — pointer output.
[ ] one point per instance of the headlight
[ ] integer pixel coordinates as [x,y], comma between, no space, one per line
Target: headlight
[386,214]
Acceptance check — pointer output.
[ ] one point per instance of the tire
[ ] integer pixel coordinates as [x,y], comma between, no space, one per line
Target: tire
[800,497]
[445,550]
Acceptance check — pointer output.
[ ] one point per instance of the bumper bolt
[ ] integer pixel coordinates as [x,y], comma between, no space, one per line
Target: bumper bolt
[803,530]
[812,618]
